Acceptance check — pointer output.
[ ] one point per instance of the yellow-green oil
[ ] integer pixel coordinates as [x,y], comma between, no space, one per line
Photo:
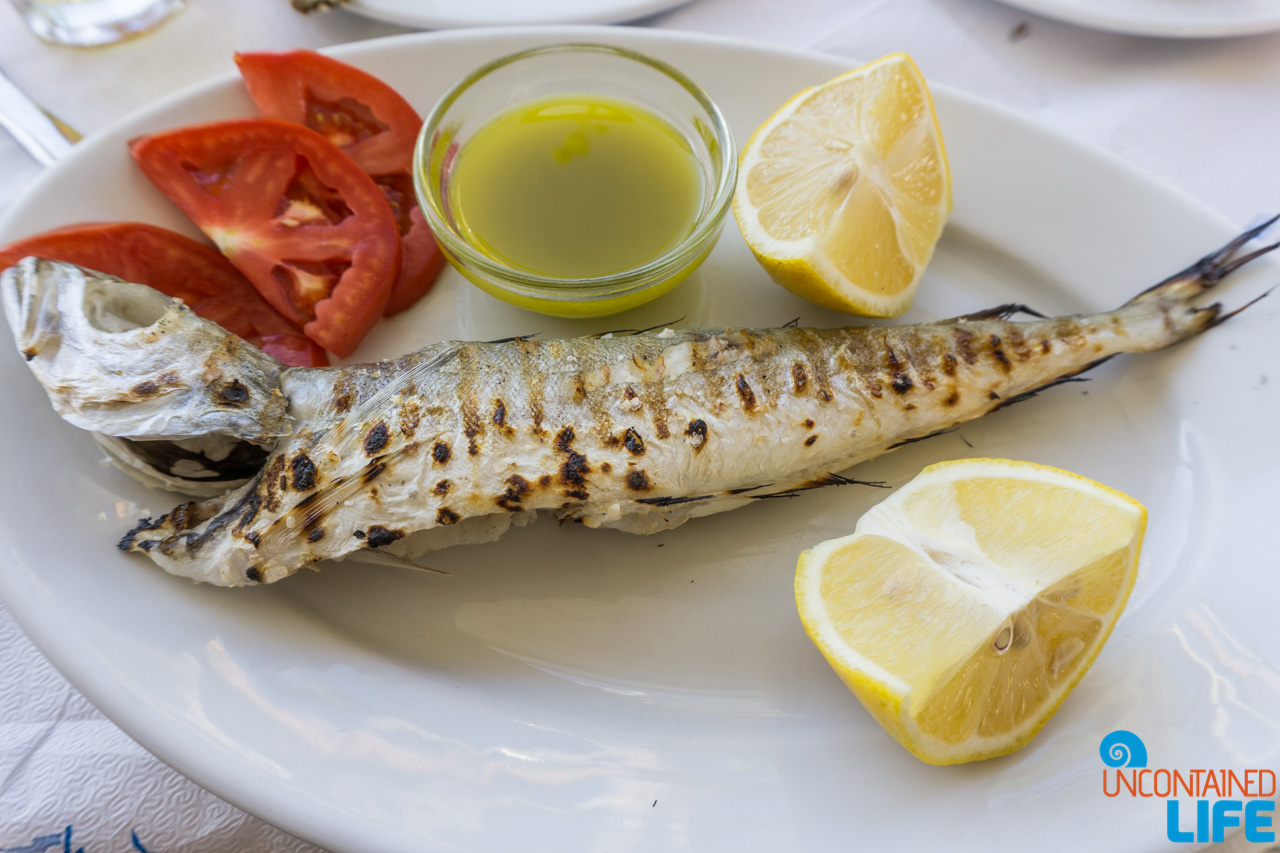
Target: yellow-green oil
[576,186]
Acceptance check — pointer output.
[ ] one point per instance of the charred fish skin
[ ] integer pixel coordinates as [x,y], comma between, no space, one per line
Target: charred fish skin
[641,433]
[638,433]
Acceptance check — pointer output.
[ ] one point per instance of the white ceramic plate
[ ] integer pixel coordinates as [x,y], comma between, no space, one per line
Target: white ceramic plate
[448,14]
[573,689]
[1169,18]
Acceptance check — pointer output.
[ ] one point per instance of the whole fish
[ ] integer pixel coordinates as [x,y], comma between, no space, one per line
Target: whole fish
[458,441]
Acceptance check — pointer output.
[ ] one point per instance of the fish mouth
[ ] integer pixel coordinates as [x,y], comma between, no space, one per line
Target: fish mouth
[204,467]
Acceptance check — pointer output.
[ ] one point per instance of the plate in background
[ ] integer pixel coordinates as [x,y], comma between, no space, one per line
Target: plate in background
[1169,18]
[441,14]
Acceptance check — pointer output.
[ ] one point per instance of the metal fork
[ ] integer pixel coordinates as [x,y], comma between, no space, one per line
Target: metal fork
[44,136]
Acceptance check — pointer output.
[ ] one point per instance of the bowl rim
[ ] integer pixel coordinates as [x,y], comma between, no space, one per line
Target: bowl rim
[539,285]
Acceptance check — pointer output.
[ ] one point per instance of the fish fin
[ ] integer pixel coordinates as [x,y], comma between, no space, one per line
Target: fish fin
[671,501]
[998,312]
[633,332]
[358,415]
[814,482]
[1222,318]
[934,434]
[382,558]
[684,499]
[514,338]
[821,480]
[1061,380]
[1027,395]
[315,505]
[1209,270]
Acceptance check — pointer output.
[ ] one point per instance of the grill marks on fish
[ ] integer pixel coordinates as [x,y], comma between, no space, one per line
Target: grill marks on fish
[604,432]
[745,392]
[378,536]
[343,393]
[234,393]
[162,384]
[697,433]
[376,438]
[712,375]
[638,480]
[633,442]
[517,488]
[472,425]
[409,417]
[574,468]
[510,417]
[695,359]
[639,433]
[304,473]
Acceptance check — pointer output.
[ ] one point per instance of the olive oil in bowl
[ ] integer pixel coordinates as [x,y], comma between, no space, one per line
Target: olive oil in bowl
[602,185]
[576,186]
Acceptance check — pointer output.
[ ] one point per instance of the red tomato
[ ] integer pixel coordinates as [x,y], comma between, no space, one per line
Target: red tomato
[176,266]
[372,123]
[311,231]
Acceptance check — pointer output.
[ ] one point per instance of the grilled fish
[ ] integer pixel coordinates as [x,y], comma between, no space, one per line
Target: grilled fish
[460,440]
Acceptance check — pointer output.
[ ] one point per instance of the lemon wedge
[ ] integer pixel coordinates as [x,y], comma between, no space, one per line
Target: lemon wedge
[967,605]
[843,192]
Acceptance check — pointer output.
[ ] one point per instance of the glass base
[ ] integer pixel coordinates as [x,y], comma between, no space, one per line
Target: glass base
[91,23]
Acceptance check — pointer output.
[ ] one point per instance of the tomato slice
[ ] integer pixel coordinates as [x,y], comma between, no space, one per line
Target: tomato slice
[306,226]
[372,123]
[176,266]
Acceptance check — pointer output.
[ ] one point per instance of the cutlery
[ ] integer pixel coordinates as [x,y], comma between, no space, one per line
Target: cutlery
[44,136]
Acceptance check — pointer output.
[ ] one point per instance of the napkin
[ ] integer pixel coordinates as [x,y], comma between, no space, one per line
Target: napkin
[71,781]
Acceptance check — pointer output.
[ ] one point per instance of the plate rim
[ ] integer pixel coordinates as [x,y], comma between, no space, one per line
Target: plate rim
[612,12]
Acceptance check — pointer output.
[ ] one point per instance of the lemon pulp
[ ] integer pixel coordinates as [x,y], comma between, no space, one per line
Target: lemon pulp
[964,608]
[844,191]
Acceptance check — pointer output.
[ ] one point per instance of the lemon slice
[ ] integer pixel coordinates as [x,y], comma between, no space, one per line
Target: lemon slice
[842,194]
[966,606]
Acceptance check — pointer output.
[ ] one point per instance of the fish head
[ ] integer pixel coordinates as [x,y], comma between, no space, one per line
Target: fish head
[143,372]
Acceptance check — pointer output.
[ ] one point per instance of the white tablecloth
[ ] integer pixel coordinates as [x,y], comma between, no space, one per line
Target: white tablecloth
[1201,115]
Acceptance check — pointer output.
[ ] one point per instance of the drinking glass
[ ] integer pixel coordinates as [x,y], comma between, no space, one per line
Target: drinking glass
[89,23]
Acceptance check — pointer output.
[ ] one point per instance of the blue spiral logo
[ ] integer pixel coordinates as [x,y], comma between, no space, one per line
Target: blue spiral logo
[1123,749]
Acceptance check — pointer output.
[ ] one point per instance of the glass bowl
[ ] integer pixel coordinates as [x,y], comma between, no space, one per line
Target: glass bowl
[569,71]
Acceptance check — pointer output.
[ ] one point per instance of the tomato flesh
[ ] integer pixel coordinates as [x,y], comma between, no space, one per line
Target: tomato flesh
[176,266]
[305,225]
[372,123]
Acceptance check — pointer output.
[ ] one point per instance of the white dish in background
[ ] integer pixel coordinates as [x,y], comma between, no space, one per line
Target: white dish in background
[436,14]
[1169,18]
[571,689]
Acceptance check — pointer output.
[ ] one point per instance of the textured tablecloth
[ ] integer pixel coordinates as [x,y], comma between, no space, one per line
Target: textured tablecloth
[1202,115]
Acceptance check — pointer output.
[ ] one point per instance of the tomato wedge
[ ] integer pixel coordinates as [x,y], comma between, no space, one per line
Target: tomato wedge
[372,124]
[306,226]
[176,266]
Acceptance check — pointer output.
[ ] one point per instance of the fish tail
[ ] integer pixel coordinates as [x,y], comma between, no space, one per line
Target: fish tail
[1175,296]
